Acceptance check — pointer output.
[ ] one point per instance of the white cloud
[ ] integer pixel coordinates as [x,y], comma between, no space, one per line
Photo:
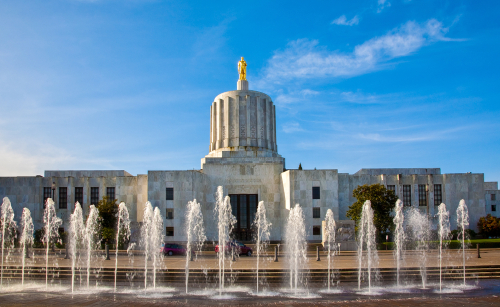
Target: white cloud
[342,21]
[295,96]
[382,4]
[292,127]
[305,58]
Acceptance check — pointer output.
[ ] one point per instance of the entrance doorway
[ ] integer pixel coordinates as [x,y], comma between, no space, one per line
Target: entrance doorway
[244,208]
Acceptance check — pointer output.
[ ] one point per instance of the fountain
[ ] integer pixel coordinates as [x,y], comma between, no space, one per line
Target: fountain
[76,233]
[122,232]
[329,233]
[420,233]
[366,237]
[262,235]
[8,231]
[226,222]
[195,232]
[91,237]
[443,232]
[462,222]
[296,246]
[26,239]
[151,239]
[399,236]
[51,235]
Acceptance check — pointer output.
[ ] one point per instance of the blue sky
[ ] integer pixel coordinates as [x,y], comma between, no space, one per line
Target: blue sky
[357,84]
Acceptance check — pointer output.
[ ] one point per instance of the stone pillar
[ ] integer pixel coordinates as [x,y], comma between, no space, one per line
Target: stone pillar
[242,85]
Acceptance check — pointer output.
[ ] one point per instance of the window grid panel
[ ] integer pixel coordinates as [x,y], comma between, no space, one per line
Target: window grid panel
[316,193]
[170,214]
[438,196]
[493,197]
[94,196]
[316,230]
[47,193]
[493,207]
[422,195]
[170,193]
[63,198]
[407,195]
[110,192]
[316,213]
[79,195]
[169,231]
[391,188]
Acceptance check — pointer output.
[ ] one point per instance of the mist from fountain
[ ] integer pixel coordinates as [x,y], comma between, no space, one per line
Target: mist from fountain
[462,223]
[122,232]
[151,239]
[195,232]
[8,231]
[296,246]
[51,235]
[329,232]
[225,223]
[443,232]
[399,236]
[76,234]
[26,239]
[418,223]
[91,237]
[366,238]
[262,235]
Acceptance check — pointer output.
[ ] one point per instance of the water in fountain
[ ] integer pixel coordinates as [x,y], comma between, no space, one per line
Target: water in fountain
[366,239]
[51,235]
[443,232]
[399,235]
[263,227]
[296,246]
[8,231]
[151,239]
[26,240]
[195,232]
[462,223]
[122,232]
[418,223]
[91,237]
[225,224]
[76,233]
[330,229]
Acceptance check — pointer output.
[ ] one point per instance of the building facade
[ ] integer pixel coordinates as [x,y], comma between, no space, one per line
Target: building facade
[243,158]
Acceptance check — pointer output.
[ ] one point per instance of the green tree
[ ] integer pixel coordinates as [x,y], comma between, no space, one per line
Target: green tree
[383,202]
[489,226]
[108,210]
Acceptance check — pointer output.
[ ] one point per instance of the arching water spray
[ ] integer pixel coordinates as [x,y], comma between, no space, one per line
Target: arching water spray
[76,234]
[463,222]
[263,227]
[156,240]
[26,240]
[91,237]
[296,247]
[420,234]
[443,231]
[151,239]
[52,223]
[122,232]
[195,233]
[399,236]
[366,238]
[330,229]
[8,230]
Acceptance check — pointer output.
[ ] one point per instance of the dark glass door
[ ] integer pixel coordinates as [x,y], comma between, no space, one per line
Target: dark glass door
[244,208]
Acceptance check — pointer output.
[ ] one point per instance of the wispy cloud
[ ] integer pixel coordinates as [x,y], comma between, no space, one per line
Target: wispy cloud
[342,21]
[292,127]
[295,96]
[304,58]
[382,4]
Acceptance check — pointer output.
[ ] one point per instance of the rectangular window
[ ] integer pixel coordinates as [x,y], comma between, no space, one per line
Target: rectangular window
[79,195]
[170,193]
[244,209]
[252,206]
[316,193]
[391,188]
[438,195]
[243,212]
[47,193]
[316,213]
[493,207]
[422,195]
[407,195]
[493,197]
[94,196]
[170,232]
[170,214]
[316,230]
[63,198]
[110,193]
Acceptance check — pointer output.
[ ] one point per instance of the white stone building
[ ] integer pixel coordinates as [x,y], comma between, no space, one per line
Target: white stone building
[243,158]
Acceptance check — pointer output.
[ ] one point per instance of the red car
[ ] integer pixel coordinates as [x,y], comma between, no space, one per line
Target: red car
[241,248]
[173,249]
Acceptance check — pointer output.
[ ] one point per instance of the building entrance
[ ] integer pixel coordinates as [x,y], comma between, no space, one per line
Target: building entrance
[244,208]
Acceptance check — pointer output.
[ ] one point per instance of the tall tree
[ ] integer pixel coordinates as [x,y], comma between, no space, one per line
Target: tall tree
[383,202]
[108,210]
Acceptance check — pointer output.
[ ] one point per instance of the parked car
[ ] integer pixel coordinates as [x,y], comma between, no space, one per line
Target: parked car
[241,248]
[171,249]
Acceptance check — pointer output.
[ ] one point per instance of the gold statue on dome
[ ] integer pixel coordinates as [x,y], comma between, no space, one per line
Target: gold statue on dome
[242,69]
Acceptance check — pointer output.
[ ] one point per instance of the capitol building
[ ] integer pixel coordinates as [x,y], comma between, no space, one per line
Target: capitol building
[243,157]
